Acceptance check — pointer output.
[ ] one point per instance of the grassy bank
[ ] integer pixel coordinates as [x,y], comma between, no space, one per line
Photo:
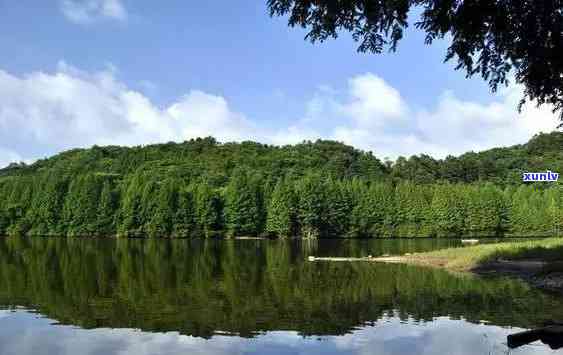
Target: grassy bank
[472,257]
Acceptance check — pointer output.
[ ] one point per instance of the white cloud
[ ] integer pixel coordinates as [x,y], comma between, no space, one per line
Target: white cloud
[373,102]
[88,11]
[45,113]
[8,156]
[374,116]
[293,135]
[214,117]
[25,333]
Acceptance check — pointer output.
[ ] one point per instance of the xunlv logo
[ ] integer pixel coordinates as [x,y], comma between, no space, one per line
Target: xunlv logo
[547,176]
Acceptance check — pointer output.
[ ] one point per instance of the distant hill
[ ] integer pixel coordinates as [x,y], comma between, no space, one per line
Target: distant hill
[320,189]
[499,165]
[207,158]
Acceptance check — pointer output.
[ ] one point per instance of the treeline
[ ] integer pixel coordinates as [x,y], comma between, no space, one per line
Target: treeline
[205,158]
[501,166]
[322,189]
[249,204]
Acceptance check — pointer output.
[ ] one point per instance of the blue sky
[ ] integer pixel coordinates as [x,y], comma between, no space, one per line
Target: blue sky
[83,72]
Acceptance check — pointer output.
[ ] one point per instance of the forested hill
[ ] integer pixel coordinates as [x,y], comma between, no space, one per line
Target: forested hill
[499,165]
[320,189]
[209,159]
[206,158]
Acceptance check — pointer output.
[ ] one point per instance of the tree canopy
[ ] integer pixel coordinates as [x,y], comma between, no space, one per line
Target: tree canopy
[491,38]
[321,189]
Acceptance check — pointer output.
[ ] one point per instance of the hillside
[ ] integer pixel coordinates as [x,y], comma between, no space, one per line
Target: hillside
[205,157]
[501,166]
[320,189]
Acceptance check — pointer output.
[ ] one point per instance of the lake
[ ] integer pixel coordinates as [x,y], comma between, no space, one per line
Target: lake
[135,296]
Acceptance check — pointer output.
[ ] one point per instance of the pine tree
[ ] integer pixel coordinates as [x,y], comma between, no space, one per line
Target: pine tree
[359,203]
[282,217]
[107,209]
[521,214]
[46,209]
[337,208]
[555,210]
[485,209]
[149,204]
[541,223]
[411,206]
[448,210]
[209,209]
[383,209]
[164,211]
[256,183]
[81,205]
[311,204]
[185,218]
[242,215]
[129,217]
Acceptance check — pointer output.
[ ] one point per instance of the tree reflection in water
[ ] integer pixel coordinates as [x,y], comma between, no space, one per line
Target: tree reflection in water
[204,287]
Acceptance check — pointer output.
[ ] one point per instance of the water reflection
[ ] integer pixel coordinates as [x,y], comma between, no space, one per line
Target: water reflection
[191,293]
[22,333]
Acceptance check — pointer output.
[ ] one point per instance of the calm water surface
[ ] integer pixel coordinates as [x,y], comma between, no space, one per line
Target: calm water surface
[107,296]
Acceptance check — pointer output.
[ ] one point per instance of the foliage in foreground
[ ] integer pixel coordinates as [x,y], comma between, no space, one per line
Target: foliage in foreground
[489,38]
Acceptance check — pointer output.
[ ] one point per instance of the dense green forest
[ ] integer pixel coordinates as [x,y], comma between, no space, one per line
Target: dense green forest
[321,189]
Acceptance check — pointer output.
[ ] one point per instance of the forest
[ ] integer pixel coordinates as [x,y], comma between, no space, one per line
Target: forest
[316,189]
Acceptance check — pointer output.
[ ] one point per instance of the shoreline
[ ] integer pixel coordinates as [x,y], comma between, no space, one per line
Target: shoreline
[266,237]
[539,263]
[544,275]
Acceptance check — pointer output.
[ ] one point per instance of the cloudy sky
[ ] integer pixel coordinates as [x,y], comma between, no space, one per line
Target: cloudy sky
[27,333]
[81,72]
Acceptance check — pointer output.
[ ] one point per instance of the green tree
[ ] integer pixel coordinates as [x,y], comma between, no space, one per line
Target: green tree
[185,218]
[164,212]
[242,213]
[129,217]
[46,209]
[411,208]
[337,208]
[209,209]
[448,210]
[521,214]
[107,209]
[282,216]
[489,38]
[310,205]
[555,210]
[485,210]
[81,205]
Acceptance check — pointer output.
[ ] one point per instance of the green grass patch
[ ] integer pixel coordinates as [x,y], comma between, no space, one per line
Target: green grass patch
[466,258]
